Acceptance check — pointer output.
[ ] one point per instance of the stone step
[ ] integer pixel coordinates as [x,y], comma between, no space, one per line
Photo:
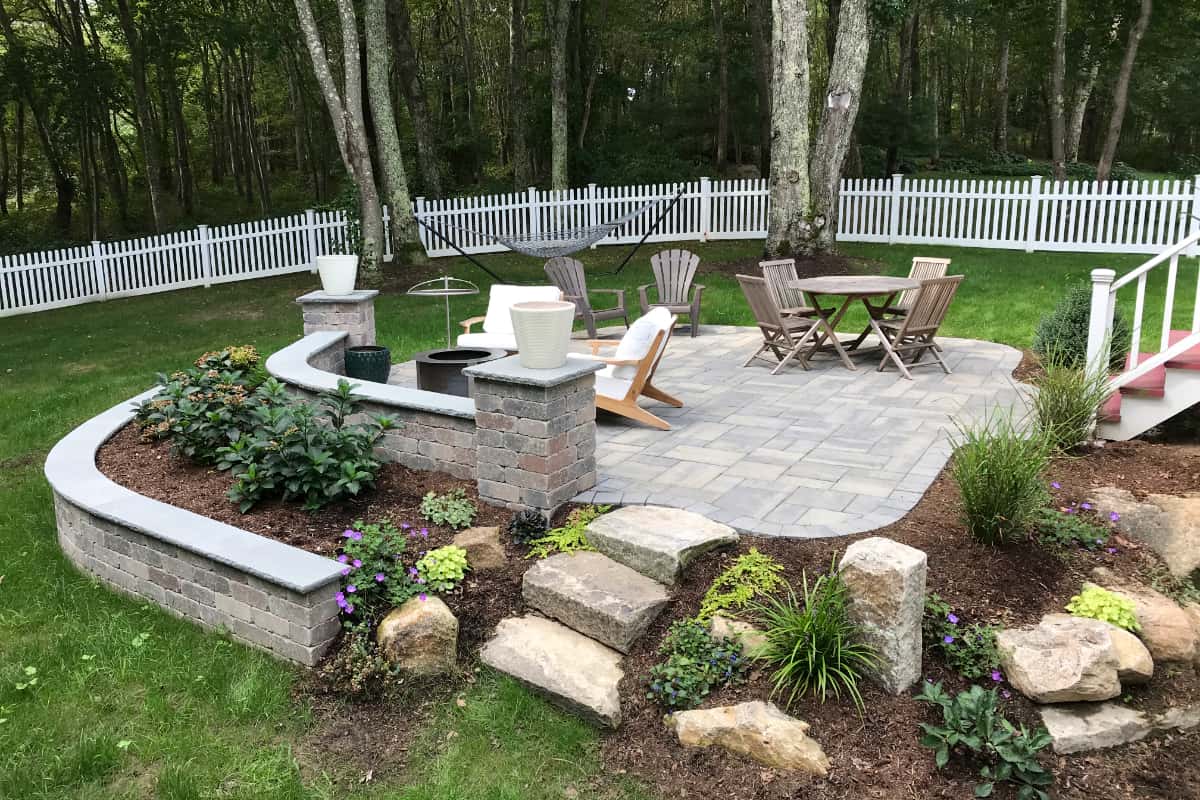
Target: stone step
[596,596]
[576,673]
[657,542]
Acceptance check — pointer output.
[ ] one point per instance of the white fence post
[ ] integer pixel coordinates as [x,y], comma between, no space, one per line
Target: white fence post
[98,269]
[535,216]
[705,209]
[1031,217]
[310,238]
[894,209]
[1194,250]
[593,210]
[1100,321]
[206,261]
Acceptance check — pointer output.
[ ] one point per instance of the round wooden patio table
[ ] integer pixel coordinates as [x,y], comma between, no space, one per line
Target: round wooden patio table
[854,288]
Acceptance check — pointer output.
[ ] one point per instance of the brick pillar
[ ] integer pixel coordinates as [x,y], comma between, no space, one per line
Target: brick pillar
[535,432]
[353,313]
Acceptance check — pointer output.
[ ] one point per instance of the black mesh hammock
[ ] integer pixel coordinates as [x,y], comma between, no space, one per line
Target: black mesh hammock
[559,242]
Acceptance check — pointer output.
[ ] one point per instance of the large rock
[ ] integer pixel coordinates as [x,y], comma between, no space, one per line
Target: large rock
[1169,524]
[1134,664]
[1162,624]
[657,542]
[484,551]
[885,583]
[1063,659]
[756,729]
[1079,727]
[420,637]
[749,637]
[596,596]
[573,671]
[1193,612]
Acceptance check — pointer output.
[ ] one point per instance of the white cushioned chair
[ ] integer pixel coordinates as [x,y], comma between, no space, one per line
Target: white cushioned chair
[497,324]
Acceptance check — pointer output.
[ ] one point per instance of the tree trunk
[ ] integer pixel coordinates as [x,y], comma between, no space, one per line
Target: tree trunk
[722,84]
[788,224]
[836,130]
[415,99]
[1000,133]
[760,35]
[147,132]
[558,19]
[1121,92]
[902,91]
[255,160]
[1079,103]
[185,183]
[589,90]
[20,147]
[4,171]
[518,109]
[406,244]
[1058,76]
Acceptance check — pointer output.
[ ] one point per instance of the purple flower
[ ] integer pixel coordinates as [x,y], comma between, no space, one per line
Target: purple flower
[345,572]
[1005,693]
[341,598]
[1086,506]
[1114,516]
[412,571]
[423,597]
[420,580]
[404,526]
[947,640]
[952,619]
[352,588]
[356,563]
[1099,541]
[1112,551]
[1070,510]
[349,609]
[424,533]
[351,534]
[343,558]
[996,676]
[380,577]
[1055,485]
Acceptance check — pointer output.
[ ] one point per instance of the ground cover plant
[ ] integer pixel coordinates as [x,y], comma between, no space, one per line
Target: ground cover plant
[452,508]
[571,537]
[969,648]
[1096,602]
[695,663]
[750,576]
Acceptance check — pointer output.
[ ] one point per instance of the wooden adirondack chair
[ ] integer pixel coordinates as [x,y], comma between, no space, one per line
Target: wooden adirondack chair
[787,338]
[922,268]
[629,372]
[912,335]
[673,274]
[567,274]
[790,301]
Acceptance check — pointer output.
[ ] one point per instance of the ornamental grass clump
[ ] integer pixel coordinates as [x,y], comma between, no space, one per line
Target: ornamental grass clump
[811,643]
[998,469]
[1067,400]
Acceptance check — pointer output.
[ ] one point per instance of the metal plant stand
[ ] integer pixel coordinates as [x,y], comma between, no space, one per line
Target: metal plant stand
[444,287]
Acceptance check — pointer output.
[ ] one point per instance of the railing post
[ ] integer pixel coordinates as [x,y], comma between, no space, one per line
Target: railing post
[1194,229]
[894,209]
[310,238]
[1031,216]
[98,269]
[206,261]
[535,217]
[1100,321]
[705,209]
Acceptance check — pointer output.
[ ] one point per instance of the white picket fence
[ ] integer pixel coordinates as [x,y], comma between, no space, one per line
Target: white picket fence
[1079,216]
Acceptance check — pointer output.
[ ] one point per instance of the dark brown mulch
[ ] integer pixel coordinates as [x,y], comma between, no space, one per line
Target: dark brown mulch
[806,267]
[877,756]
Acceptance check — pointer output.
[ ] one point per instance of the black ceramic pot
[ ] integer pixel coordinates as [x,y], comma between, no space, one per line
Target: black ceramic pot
[368,362]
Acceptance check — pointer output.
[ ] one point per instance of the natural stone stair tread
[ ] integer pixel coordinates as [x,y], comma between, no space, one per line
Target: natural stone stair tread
[573,671]
[656,541]
[595,596]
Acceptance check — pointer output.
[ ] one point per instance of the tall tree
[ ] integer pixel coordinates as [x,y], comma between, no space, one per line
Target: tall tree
[722,134]
[415,98]
[1089,70]
[4,173]
[1121,91]
[759,12]
[1058,77]
[517,98]
[1000,131]
[148,133]
[558,23]
[789,227]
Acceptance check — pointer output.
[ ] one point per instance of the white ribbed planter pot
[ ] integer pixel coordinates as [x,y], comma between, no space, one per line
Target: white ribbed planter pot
[543,331]
[337,273]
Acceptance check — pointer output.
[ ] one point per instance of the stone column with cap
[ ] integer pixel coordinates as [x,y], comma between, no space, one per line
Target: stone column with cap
[353,313]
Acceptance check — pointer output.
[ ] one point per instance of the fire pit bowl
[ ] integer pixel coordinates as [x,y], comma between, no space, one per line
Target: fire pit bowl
[441,370]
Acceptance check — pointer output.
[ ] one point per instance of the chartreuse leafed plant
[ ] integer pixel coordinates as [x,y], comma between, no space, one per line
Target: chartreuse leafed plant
[443,568]
[452,508]
[1099,603]
[1067,400]
[969,649]
[972,725]
[751,574]
[696,663]
[811,643]
[998,469]
[570,538]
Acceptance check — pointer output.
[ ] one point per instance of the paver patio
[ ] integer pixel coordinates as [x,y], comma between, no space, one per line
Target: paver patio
[827,452]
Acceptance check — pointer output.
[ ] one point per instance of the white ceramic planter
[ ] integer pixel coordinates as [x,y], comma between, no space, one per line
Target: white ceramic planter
[543,331]
[337,273]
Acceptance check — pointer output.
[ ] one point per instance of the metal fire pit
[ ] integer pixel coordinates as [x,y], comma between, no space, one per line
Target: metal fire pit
[441,370]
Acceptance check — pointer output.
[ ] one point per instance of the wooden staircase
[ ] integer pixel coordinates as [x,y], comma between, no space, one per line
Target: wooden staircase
[1155,397]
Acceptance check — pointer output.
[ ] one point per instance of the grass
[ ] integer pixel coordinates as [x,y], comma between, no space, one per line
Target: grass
[131,703]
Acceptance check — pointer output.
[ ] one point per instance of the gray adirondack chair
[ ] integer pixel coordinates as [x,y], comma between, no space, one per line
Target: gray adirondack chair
[567,274]
[674,271]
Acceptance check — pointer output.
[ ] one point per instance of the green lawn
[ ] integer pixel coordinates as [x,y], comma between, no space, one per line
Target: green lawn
[131,703]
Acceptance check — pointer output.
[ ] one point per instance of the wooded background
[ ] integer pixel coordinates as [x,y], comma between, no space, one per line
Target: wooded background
[120,117]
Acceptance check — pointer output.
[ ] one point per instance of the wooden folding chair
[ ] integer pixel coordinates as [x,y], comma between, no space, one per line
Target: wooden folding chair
[568,275]
[778,274]
[785,337]
[923,268]
[674,271]
[913,334]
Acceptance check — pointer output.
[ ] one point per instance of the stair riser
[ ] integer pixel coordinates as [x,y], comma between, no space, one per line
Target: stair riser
[1140,413]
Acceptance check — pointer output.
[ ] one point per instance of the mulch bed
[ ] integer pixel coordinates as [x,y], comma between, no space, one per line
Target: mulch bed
[877,756]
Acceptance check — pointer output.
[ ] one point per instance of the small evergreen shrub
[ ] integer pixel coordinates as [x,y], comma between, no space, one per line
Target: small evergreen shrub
[452,509]
[1066,402]
[1098,603]
[696,663]
[525,526]
[570,538]
[970,650]
[751,574]
[1063,333]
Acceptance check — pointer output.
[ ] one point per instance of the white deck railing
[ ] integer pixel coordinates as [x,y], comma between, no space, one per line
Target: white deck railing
[1133,217]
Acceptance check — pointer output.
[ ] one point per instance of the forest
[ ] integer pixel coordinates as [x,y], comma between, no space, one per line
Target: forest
[122,117]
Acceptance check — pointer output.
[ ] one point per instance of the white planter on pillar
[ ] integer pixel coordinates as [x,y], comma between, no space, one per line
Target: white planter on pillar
[543,331]
[337,273]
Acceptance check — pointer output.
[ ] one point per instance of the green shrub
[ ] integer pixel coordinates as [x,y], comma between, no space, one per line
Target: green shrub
[1063,333]
[696,663]
[375,573]
[1123,172]
[751,574]
[971,723]
[1095,602]
[452,508]
[970,650]
[525,526]
[998,470]
[570,538]
[811,642]
[1066,402]
[443,568]
[1068,528]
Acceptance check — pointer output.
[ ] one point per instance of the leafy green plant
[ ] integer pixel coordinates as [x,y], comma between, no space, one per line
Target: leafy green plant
[973,726]
[1067,400]
[969,649]
[570,538]
[750,575]
[811,642]
[527,525]
[452,508]
[1069,527]
[376,576]
[1063,332]
[1099,603]
[998,470]
[696,663]
[358,667]
[443,568]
